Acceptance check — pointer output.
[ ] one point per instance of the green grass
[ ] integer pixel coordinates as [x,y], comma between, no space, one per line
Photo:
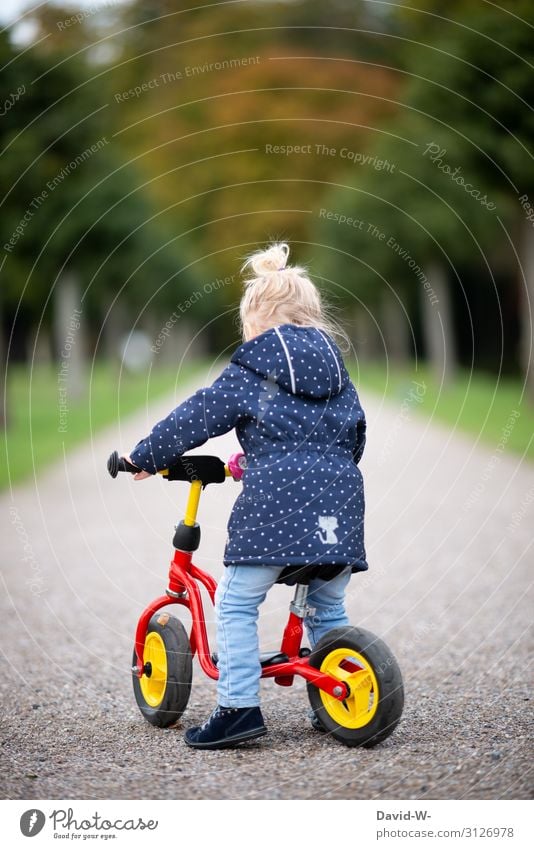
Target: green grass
[479,405]
[34,439]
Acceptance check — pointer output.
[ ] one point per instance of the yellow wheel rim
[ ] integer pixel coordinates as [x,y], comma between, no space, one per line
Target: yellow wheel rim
[153,686]
[360,707]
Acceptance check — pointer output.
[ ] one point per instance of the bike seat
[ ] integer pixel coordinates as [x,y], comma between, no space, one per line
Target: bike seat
[203,467]
[291,575]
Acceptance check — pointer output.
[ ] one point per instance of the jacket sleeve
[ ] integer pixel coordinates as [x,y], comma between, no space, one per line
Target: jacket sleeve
[357,451]
[211,411]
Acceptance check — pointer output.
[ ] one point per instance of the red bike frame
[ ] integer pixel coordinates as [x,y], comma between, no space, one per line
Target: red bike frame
[184,580]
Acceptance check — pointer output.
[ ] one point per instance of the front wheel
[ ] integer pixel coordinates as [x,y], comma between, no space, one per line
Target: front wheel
[163,691]
[363,661]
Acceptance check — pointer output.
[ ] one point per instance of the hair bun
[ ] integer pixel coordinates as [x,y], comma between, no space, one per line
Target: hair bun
[269,261]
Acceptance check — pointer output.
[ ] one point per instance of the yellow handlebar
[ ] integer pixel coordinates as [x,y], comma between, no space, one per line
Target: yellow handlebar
[192,503]
[194,497]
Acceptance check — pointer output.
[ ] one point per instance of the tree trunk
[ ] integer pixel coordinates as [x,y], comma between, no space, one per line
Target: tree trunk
[365,337]
[69,338]
[115,325]
[396,330]
[438,327]
[40,346]
[526,280]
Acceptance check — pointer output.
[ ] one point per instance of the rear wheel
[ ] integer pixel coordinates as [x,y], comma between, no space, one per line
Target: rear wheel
[374,706]
[163,690]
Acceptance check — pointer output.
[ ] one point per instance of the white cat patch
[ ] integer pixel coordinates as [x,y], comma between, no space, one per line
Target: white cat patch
[328,524]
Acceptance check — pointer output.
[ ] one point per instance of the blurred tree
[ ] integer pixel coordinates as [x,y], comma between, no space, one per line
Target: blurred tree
[476,77]
[233,111]
[75,211]
[412,223]
[241,118]
[465,125]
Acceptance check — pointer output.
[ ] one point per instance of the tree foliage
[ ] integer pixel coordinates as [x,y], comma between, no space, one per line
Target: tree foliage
[459,146]
[71,199]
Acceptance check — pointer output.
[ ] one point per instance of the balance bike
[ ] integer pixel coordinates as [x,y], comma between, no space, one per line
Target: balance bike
[353,681]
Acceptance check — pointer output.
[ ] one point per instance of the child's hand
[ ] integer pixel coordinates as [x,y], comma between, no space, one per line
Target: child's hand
[140,476]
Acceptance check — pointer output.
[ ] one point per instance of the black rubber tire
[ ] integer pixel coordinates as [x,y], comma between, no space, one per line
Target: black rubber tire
[390,687]
[179,673]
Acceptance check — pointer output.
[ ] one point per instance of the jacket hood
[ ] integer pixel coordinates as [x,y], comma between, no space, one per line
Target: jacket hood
[304,361]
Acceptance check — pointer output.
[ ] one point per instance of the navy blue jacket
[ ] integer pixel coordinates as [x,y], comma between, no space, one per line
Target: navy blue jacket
[299,421]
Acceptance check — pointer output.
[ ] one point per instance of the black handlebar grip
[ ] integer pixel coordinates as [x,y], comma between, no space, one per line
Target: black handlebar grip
[118,464]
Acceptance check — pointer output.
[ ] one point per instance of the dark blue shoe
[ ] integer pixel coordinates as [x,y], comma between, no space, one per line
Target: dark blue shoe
[226,727]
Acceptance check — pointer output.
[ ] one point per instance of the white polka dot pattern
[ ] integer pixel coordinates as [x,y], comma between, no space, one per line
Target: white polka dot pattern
[303,498]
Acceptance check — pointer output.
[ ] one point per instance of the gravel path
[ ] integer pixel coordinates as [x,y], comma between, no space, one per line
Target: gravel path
[449,539]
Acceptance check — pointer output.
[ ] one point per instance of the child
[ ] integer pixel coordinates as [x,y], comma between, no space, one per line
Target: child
[298,419]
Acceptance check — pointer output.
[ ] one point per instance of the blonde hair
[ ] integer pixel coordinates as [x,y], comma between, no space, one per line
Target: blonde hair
[277,293]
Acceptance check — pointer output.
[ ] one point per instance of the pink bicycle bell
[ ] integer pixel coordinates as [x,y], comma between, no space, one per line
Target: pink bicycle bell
[237,464]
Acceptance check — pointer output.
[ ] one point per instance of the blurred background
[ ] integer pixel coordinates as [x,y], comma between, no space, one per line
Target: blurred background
[146,147]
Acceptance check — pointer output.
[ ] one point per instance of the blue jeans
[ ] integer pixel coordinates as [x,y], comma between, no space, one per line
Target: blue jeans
[239,594]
